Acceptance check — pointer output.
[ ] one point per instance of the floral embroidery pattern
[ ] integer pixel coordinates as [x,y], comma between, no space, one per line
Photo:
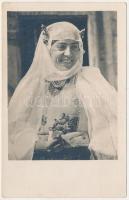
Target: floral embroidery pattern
[65,123]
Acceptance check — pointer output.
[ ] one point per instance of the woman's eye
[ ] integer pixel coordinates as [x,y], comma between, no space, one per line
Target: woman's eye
[75,47]
[61,46]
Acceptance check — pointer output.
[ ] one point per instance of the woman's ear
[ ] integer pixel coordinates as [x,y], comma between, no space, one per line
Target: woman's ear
[82,33]
[45,34]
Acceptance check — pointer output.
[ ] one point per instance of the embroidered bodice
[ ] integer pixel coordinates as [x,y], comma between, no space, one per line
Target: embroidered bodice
[64,113]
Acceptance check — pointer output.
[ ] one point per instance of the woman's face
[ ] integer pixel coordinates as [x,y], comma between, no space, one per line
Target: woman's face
[65,53]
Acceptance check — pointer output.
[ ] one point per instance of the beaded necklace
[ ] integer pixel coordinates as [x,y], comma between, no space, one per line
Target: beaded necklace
[58,84]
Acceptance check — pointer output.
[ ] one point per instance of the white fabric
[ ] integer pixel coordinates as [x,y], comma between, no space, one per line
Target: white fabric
[100,103]
[26,105]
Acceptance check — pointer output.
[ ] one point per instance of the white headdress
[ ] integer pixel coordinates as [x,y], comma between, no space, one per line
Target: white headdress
[25,118]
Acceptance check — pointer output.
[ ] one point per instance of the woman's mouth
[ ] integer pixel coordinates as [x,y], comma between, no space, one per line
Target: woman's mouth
[67,60]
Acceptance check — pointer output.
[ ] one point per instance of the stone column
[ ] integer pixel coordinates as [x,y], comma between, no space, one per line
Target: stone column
[92,40]
[102,43]
[110,38]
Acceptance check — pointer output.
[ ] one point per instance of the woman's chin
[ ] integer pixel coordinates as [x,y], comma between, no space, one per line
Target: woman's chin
[64,67]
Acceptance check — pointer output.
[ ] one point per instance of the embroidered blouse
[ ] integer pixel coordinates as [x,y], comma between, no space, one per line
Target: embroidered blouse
[64,116]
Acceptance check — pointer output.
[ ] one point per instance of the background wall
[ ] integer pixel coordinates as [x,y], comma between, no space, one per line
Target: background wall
[100,41]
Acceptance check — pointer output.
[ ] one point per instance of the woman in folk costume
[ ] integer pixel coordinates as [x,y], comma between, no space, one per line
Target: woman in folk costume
[61,109]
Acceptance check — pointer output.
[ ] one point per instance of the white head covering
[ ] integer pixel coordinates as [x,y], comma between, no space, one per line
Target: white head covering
[25,118]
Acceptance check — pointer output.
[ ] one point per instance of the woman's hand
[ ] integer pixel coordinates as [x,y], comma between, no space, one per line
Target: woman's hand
[47,142]
[43,143]
[76,139]
[73,139]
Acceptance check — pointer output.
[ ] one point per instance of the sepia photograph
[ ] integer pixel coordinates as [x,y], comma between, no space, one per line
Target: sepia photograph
[64,100]
[62,85]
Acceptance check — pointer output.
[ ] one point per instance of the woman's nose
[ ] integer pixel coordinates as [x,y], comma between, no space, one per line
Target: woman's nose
[67,51]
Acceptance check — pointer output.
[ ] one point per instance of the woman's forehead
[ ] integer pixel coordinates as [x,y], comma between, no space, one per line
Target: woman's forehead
[65,35]
[63,30]
[66,41]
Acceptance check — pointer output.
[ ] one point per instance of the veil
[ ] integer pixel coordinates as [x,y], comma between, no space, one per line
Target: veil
[99,99]
[26,105]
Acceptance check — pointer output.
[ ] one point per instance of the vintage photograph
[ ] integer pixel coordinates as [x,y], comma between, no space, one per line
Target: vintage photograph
[64,100]
[62,85]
